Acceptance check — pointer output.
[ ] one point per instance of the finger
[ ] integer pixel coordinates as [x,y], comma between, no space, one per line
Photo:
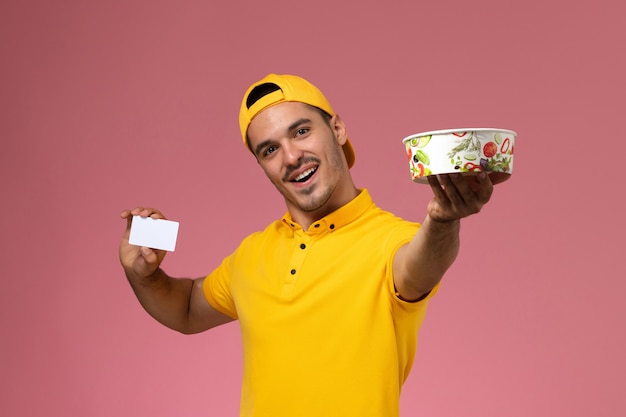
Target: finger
[126,214]
[475,191]
[151,212]
[147,212]
[453,186]
[435,185]
[157,215]
[136,211]
[468,186]
[479,189]
[129,222]
[485,189]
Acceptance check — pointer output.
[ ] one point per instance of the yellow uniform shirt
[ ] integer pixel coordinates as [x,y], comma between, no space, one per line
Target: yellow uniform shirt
[323,333]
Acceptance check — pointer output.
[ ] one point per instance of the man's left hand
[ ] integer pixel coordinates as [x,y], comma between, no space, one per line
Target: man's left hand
[457,195]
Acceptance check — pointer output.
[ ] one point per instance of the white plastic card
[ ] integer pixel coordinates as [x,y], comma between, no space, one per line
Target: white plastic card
[153,233]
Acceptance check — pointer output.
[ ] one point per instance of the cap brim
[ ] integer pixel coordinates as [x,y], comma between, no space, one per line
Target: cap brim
[348,150]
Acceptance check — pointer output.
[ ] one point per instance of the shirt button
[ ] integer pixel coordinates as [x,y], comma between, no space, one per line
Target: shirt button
[302,246]
[293,272]
[332,226]
[317,225]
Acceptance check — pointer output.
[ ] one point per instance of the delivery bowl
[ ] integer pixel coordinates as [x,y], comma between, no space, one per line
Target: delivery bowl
[468,151]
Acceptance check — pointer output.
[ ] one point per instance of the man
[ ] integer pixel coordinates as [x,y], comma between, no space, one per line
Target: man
[329,298]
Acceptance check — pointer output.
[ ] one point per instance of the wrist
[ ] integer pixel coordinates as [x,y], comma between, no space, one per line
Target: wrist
[143,278]
[437,222]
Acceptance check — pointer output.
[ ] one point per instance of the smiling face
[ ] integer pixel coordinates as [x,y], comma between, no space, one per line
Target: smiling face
[300,152]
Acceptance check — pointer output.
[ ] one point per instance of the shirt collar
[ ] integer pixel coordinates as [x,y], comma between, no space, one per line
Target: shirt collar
[338,218]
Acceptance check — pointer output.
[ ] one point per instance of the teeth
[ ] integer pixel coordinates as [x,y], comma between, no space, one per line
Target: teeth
[305,174]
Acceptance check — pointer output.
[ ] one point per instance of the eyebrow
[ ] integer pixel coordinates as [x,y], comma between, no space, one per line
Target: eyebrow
[290,128]
[297,123]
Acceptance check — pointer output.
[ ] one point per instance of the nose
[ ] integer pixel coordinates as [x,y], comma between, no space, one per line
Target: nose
[291,153]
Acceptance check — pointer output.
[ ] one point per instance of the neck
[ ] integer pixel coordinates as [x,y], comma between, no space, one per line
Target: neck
[339,198]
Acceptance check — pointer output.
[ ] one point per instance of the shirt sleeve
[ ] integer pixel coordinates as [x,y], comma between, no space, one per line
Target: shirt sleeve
[216,288]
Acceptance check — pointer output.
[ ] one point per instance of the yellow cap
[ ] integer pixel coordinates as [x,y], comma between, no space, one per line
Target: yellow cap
[282,88]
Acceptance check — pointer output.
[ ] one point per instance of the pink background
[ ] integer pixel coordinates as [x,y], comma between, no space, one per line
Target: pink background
[108,105]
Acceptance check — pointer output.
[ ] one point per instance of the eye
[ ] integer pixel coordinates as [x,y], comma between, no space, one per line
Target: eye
[269,150]
[302,131]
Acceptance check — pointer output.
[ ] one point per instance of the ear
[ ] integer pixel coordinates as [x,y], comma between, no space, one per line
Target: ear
[339,128]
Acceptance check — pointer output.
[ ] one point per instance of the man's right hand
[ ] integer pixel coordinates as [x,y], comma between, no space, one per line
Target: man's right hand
[178,303]
[139,262]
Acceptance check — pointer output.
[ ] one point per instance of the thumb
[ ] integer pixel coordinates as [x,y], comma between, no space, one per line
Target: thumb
[148,255]
[152,257]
